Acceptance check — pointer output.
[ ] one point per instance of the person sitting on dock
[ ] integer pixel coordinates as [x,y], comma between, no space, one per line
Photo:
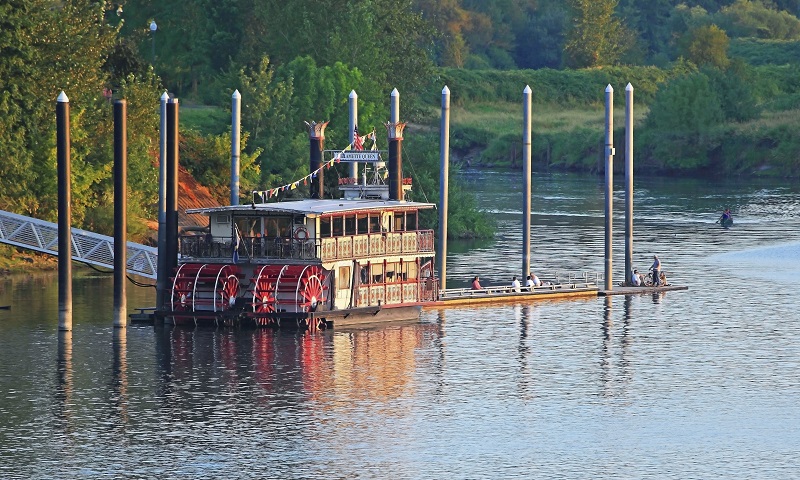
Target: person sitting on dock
[636,278]
[515,284]
[476,284]
[656,268]
[533,281]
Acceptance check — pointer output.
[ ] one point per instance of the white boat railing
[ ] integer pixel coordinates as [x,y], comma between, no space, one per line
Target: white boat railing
[87,247]
[509,290]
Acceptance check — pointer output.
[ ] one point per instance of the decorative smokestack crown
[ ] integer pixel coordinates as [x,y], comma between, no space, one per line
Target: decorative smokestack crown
[395,130]
[316,130]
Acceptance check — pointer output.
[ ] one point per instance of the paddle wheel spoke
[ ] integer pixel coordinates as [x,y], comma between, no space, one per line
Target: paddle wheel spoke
[228,289]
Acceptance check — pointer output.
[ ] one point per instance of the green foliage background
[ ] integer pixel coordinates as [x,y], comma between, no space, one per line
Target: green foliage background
[716,86]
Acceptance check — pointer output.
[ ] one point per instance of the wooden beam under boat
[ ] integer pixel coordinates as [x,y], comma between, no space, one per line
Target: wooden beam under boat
[466,296]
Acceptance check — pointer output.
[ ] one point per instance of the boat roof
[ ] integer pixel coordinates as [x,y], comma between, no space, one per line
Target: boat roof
[315,207]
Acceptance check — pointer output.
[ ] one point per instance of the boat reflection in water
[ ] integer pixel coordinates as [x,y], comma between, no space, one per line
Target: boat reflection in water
[264,366]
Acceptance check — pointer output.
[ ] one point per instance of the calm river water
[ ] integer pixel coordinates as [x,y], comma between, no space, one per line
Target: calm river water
[703,383]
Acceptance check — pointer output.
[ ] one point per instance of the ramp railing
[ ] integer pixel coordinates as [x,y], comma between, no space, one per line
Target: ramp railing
[87,247]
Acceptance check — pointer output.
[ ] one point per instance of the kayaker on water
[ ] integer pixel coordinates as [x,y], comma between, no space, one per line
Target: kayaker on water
[726,217]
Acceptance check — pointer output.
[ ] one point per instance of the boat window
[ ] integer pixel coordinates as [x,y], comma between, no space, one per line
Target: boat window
[350,225]
[344,277]
[284,226]
[410,271]
[362,223]
[377,273]
[338,226]
[325,226]
[375,223]
[399,222]
[411,221]
[393,272]
[248,227]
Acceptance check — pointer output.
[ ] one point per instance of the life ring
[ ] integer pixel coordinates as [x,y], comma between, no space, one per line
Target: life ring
[301,233]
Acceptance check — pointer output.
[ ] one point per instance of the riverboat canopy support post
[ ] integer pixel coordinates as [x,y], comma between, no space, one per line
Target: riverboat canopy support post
[172,188]
[64,214]
[526,181]
[236,135]
[444,155]
[609,168]
[353,103]
[316,138]
[628,183]
[120,213]
[161,267]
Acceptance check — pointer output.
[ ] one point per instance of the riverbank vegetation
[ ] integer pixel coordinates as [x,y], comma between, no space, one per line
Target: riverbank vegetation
[716,89]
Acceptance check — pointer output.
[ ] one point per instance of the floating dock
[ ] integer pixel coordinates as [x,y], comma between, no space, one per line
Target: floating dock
[503,294]
[620,290]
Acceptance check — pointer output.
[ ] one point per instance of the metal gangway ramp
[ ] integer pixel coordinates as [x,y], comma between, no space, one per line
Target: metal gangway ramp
[87,247]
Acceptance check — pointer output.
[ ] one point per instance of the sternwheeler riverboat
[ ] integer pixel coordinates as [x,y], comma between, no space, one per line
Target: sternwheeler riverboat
[314,262]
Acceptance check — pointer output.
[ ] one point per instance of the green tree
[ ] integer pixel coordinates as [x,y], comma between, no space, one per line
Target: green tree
[707,45]
[46,49]
[678,129]
[596,36]
[754,18]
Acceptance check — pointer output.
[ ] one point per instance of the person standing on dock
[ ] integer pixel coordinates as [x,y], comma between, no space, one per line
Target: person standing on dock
[515,284]
[476,283]
[533,281]
[656,268]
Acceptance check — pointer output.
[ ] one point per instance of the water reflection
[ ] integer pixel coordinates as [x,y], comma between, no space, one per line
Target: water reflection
[327,369]
[615,364]
[119,376]
[64,378]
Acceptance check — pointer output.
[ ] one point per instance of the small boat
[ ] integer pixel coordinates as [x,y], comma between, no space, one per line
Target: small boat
[726,222]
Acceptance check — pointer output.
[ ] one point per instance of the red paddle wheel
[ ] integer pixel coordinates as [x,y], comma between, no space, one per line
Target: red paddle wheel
[204,291]
[265,281]
[296,289]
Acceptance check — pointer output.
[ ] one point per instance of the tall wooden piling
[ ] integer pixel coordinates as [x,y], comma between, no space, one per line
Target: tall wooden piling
[353,104]
[64,214]
[236,133]
[609,190]
[172,189]
[628,183]
[120,213]
[444,172]
[161,266]
[526,181]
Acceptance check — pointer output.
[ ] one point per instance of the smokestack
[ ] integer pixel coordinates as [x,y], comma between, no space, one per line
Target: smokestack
[395,160]
[316,142]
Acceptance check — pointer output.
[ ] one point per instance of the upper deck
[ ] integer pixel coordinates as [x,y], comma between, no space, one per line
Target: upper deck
[310,230]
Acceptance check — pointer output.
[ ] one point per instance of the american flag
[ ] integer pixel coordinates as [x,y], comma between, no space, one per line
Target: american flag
[358,142]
